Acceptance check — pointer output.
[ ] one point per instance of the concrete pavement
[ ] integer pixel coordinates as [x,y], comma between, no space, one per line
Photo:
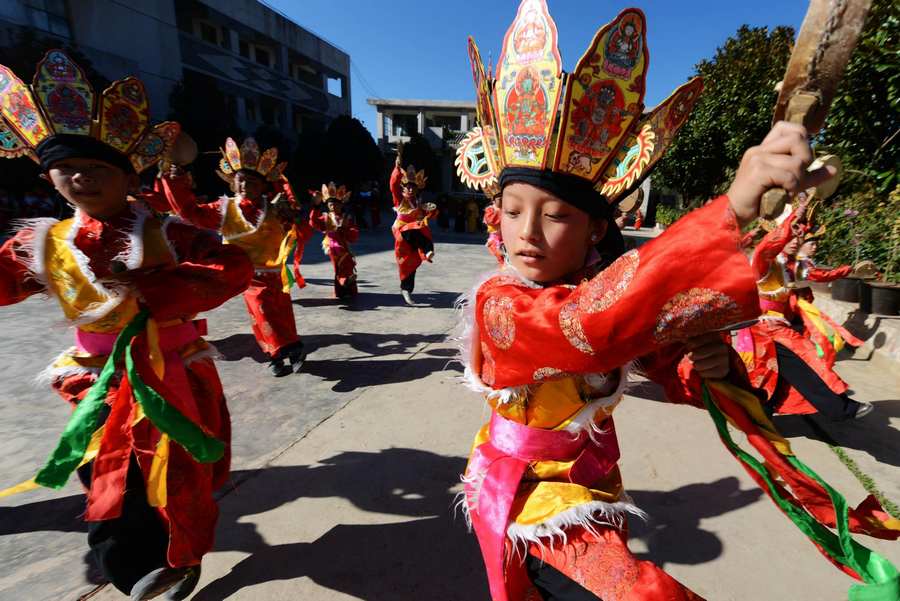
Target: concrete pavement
[345,475]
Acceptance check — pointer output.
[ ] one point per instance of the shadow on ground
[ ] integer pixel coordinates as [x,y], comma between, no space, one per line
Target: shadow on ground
[366,367]
[430,556]
[872,434]
[673,533]
[368,301]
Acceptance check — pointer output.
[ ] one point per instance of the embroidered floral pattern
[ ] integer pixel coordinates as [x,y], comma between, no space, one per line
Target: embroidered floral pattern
[694,312]
[499,321]
[607,287]
[542,374]
[570,324]
[487,365]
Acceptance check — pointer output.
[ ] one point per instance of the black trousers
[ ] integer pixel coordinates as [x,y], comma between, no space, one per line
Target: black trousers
[794,370]
[553,584]
[418,241]
[128,547]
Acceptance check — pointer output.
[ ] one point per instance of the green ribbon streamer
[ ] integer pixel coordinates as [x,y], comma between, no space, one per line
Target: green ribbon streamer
[76,436]
[880,576]
[289,265]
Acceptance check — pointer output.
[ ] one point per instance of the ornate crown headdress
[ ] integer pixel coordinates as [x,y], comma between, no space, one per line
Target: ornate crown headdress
[330,191]
[60,101]
[600,132]
[248,157]
[411,176]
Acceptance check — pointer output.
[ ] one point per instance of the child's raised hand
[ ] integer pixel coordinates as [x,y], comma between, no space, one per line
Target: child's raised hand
[709,354]
[779,161]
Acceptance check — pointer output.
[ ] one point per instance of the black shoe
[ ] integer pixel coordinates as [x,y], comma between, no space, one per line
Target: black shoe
[278,368]
[183,589]
[159,581]
[297,360]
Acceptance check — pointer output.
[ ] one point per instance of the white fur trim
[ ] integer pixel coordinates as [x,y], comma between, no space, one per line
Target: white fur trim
[587,515]
[253,226]
[52,373]
[31,250]
[168,221]
[211,352]
[584,419]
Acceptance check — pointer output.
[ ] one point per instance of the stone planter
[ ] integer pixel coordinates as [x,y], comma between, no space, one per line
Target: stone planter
[846,289]
[885,298]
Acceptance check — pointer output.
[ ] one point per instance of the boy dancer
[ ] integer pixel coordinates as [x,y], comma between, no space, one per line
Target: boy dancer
[257,219]
[151,434]
[340,232]
[550,339]
[412,236]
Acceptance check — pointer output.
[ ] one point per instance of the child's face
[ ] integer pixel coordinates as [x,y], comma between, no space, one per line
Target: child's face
[248,185]
[790,249]
[96,187]
[808,249]
[546,238]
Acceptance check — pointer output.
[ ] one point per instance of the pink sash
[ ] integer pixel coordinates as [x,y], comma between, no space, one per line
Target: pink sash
[503,461]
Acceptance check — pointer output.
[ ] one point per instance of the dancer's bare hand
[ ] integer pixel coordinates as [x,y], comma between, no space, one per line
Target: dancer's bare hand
[709,355]
[779,161]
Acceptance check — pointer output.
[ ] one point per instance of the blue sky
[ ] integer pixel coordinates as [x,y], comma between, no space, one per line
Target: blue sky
[417,48]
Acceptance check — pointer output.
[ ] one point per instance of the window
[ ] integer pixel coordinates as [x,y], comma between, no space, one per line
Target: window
[244,49]
[405,125]
[451,122]
[307,74]
[49,16]
[208,32]
[263,57]
[336,86]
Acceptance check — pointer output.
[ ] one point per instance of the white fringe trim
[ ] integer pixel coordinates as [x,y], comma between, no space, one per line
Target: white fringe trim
[587,515]
[253,227]
[51,374]
[31,250]
[208,353]
[584,419]
[167,222]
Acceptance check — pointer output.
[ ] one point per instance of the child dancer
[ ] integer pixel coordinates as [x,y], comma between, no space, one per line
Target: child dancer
[551,337]
[257,219]
[340,232]
[412,236]
[782,358]
[150,434]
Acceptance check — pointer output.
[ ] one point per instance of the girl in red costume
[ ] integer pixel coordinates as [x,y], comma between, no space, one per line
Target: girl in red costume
[782,358]
[340,232]
[412,236]
[828,335]
[150,437]
[549,341]
[257,219]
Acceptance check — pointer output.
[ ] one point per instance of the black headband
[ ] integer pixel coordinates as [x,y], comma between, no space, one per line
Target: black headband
[576,191]
[70,146]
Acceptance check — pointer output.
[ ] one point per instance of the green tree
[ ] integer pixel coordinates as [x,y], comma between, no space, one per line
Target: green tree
[352,155]
[863,128]
[198,104]
[863,125]
[733,113]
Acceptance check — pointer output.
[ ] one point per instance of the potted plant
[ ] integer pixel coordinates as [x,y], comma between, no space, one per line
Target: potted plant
[850,288]
[886,292]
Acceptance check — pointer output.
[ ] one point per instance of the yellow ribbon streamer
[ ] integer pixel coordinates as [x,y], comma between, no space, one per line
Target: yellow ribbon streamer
[157,491]
[754,409]
[92,449]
